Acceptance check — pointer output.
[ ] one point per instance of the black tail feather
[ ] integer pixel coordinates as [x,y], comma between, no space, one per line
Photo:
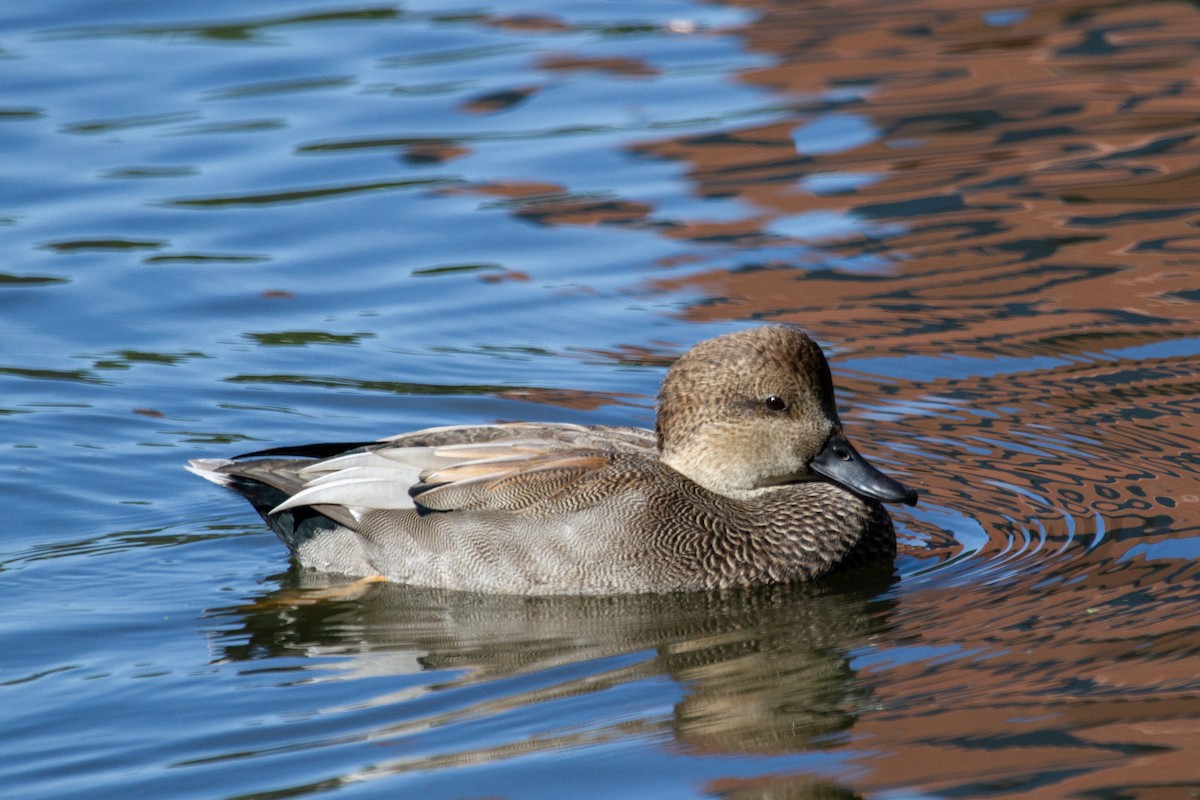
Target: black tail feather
[321,450]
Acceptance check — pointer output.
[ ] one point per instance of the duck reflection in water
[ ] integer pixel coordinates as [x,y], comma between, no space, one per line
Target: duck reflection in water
[762,670]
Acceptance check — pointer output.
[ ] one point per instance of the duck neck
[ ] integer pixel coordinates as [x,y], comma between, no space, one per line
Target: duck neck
[711,476]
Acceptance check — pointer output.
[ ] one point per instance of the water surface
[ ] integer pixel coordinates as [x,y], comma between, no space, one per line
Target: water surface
[227,226]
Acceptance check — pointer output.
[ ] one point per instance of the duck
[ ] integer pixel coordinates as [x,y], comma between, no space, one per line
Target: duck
[747,479]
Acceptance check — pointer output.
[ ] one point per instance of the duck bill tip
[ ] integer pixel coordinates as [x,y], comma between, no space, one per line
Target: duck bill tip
[841,463]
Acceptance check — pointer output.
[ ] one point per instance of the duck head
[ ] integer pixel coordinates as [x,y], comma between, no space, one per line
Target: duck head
[754,409]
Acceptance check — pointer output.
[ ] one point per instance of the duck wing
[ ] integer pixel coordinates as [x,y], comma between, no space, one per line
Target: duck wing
[510,467]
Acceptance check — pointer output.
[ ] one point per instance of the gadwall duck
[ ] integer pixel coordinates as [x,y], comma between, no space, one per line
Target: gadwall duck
[746,480]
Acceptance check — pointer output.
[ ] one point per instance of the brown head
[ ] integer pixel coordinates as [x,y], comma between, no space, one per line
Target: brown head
[754,409]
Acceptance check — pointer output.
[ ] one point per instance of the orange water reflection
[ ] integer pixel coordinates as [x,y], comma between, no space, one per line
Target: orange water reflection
[1004,251]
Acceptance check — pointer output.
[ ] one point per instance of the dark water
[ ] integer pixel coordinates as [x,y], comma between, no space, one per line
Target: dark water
[224,224]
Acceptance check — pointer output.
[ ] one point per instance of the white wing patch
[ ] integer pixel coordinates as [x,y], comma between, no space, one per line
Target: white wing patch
[357,488]
[380,477]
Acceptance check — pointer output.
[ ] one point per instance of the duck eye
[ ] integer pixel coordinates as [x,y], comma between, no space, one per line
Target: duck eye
[775,403]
